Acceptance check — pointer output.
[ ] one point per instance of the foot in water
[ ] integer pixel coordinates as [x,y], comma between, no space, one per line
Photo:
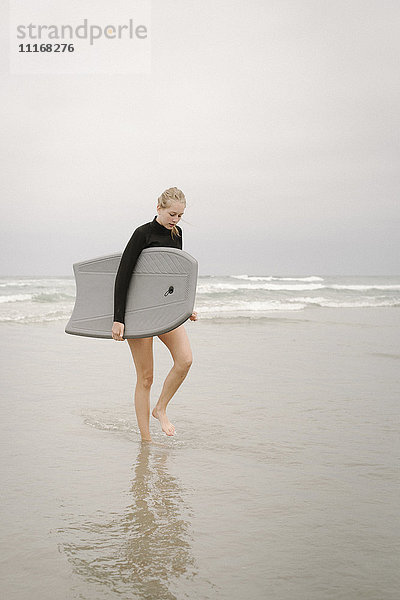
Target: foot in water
[166,424]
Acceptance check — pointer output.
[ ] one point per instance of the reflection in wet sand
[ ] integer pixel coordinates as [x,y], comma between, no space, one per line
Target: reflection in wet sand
[143,551]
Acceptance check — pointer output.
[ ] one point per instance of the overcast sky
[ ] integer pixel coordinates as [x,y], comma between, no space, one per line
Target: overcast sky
[278,119]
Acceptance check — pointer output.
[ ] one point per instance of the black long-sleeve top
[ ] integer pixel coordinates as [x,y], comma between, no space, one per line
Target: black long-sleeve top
[146,236]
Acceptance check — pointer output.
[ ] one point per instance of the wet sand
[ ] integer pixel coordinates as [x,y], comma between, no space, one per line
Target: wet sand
[280,482]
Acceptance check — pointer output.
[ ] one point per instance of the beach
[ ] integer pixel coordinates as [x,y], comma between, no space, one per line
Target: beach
[280,482]
[261,141]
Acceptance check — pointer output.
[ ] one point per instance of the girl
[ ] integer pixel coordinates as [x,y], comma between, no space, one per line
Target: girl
[162,231]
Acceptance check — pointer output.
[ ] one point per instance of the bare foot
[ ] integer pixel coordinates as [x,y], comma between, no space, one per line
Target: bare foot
[166,424]
[146,439]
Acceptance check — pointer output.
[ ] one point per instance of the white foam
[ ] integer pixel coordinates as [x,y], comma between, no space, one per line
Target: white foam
[250,307]
[363,288]
[208,288]
[272,278]
[16,298]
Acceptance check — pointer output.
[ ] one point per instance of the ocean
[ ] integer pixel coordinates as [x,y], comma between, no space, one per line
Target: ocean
[42,299]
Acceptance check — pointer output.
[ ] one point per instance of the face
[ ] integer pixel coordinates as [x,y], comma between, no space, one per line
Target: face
[171,215]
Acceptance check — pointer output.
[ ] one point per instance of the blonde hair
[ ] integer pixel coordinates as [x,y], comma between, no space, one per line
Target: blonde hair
[165,200]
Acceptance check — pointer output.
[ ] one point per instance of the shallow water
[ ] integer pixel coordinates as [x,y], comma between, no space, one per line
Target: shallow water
[281,481]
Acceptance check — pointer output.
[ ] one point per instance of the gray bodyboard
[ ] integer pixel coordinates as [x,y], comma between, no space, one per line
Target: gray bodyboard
[160,296]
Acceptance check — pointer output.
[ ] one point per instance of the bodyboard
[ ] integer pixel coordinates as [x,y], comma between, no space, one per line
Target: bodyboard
[160,295]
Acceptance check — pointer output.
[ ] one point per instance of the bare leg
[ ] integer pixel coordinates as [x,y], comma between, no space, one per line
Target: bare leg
[142,353]
[178,344]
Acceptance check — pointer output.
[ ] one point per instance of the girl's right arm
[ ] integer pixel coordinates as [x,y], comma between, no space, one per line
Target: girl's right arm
[127,264]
